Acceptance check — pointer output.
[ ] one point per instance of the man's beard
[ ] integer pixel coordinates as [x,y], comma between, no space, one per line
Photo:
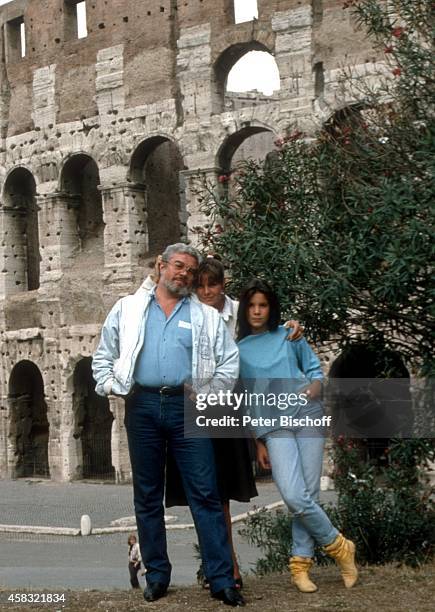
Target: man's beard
[178,290]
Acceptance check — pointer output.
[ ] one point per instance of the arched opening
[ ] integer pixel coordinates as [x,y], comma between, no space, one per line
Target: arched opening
[253,142]
[21,234]
[29,427]
[155,165]
[245,74]
[344,120]
[80,180]
[92,425]
[371,395]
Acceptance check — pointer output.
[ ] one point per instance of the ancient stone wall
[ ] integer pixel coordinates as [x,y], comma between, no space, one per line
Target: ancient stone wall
[102,140]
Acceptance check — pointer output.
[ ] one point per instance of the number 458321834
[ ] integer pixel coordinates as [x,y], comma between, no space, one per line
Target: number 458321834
[36,598]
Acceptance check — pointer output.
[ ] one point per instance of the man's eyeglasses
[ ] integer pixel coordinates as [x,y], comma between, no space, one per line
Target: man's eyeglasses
[181,267]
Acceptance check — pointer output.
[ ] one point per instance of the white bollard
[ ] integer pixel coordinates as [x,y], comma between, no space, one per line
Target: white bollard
[326,483]
[85,525]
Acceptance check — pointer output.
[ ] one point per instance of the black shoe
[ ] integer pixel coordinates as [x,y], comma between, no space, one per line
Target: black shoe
[154,591]
[230,596]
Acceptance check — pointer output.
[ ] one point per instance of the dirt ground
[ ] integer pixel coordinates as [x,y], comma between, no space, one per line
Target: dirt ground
[385,588]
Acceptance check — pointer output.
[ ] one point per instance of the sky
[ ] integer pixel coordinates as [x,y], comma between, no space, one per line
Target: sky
[256,70]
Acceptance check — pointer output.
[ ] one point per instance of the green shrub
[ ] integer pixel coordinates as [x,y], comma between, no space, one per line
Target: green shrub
[388,513]
[341,224]
[270,532]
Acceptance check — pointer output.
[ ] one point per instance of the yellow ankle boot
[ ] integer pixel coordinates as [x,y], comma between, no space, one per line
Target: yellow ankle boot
[343,551]
[299,568]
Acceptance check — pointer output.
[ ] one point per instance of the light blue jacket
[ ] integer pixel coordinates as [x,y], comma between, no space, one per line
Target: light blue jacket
[215,357]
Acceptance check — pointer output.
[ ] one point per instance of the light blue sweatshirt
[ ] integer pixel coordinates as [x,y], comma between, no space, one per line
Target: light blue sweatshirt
[270,364]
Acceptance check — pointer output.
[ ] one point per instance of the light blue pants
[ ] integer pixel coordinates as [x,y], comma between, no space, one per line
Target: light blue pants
[296,462]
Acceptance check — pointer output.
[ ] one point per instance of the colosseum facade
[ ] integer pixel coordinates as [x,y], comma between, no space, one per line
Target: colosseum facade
[102,138]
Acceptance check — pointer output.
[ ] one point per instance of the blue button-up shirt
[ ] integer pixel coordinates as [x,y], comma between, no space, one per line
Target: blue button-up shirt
[166,354]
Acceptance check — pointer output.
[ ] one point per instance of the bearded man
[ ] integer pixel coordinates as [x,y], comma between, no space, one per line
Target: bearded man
[153,344]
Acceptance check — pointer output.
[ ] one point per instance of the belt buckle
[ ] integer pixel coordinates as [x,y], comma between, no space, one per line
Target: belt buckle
[164,390]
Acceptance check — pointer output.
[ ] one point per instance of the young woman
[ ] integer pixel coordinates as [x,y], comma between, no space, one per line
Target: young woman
[295,454]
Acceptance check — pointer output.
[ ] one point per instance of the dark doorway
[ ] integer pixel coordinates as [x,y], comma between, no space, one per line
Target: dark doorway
[92,425]
[21,233]
[156,164]
[29,426]
[80,180]
[376,403]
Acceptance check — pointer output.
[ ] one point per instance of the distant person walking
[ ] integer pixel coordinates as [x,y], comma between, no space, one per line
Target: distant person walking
[134,560]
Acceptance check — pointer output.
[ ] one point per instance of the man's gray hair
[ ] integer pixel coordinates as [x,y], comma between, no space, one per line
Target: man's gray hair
[180,247]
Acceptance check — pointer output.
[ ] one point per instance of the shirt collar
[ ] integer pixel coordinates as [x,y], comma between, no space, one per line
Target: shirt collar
[227,311]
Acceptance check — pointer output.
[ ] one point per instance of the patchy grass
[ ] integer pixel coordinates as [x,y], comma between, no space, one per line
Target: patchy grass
[387,588]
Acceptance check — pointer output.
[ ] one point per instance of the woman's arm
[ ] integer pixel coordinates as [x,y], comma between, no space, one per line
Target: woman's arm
[262,455]
[314,390]
[309,363]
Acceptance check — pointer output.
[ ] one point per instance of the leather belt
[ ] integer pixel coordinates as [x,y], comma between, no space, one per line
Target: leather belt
[165,390]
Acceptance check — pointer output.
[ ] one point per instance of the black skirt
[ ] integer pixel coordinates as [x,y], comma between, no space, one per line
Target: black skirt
[235,478]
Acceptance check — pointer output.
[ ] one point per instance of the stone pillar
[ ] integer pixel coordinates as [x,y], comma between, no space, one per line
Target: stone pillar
[194,72]
[293,54]
[44,106]
[13,252]
[109,83]
[54,449]
[126,230]
[193,182]
[69,464]
[120,456]
[58,232]
[4,438]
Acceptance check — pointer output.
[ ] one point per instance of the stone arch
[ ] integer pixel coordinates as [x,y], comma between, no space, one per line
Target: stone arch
[20,239]
[343,117]
[79,182]
[155,167]
[235,147]
[222,67]
[29,426]
[375,409]
[92,425]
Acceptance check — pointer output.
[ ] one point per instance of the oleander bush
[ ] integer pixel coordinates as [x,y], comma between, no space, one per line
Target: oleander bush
[388,513]
[342,225]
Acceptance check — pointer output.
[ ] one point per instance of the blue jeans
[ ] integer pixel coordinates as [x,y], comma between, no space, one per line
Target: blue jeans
[152,421]
[296,461]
